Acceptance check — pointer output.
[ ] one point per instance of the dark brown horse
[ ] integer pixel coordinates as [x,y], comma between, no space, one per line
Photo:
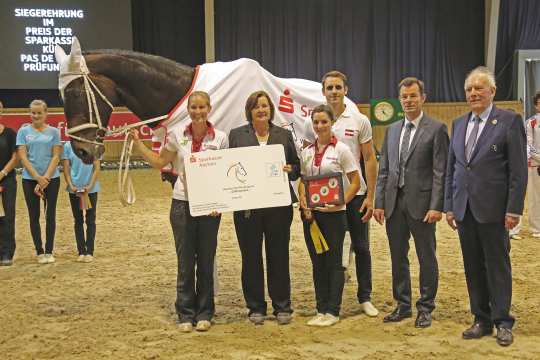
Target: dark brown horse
[148,85]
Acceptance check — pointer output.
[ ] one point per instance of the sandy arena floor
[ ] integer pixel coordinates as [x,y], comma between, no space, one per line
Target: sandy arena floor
[121,305]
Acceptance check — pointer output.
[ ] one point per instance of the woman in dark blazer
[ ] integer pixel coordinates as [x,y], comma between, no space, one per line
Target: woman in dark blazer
[274,223]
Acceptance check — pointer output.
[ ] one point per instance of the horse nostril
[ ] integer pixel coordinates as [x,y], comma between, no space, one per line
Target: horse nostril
[81,153]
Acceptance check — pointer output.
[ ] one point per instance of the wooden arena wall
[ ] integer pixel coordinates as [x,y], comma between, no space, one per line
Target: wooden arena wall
[445,112]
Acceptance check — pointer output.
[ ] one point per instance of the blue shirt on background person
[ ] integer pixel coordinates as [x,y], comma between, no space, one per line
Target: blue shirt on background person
[38,145]
[81,173]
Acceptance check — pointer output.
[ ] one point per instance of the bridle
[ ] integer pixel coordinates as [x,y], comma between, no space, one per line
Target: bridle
[93,113]
[125,185]
[101,132]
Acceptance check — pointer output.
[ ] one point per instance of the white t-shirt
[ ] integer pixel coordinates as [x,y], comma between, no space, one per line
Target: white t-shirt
[353,129]
[336,158]
[532,128]
[181,143]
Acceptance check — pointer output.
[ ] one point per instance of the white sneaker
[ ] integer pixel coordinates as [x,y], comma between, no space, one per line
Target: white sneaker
[185,327]
[50,258]
[41,259]
[203,325]
[88,258]
[80,258]
[536,235]
[328,320]
[315,321]
[368,308]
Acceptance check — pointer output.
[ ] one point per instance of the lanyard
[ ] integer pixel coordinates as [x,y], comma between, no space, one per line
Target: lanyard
[316,162]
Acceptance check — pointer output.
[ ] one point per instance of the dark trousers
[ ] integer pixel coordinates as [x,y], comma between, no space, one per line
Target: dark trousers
[32,203]
[486,257]
[196,240]
[360,242]
[328,271]
[84,246]
[275,224]
[399,228]
[7,222]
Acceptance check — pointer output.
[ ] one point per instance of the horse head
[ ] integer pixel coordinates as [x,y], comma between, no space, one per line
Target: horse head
[88,100]
[92,84]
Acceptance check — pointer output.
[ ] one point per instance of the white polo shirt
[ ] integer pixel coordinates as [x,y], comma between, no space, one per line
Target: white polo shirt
[353,129]
[336,158]
[181,142]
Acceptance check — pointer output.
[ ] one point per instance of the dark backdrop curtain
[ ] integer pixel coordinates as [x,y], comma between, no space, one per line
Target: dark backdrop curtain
[170,28]
[519,28]
[375,42]
[21,98]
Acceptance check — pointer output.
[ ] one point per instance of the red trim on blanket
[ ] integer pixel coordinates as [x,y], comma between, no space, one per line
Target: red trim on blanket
[161,125]
[183,98]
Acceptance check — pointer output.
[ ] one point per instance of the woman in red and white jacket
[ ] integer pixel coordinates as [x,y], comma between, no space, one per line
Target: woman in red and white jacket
[327,155]
[195,237]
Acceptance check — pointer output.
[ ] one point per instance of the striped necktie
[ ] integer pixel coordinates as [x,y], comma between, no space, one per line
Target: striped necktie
[403,153]
[471,141]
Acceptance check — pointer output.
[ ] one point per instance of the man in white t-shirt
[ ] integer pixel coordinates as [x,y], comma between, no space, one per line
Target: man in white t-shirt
[354,129]
[532,128]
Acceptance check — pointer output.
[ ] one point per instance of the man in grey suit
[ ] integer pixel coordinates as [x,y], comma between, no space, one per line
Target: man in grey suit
[485,191]
[410,195]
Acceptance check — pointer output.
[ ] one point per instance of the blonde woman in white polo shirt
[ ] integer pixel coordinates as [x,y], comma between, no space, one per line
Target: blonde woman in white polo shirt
[327,155]
[195,237]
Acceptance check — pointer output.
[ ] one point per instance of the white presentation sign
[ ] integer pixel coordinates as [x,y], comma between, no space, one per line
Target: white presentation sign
[237,179]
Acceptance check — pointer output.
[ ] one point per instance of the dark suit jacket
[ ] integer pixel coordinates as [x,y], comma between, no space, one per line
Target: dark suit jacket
[424,169]
[245,136]
[493,183]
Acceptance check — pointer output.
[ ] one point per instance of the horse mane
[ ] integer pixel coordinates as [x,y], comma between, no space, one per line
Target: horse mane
[148,85]
[157,67]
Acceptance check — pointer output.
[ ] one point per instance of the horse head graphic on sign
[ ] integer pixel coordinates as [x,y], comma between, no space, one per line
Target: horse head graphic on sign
[239,172]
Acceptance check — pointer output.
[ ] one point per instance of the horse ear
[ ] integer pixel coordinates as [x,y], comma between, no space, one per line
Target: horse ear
[76,60]
[60,55]
[75,48]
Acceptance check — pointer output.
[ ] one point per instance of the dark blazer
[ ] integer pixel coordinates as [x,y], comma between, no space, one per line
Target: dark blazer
[245,136]
[424,169]
[493,183]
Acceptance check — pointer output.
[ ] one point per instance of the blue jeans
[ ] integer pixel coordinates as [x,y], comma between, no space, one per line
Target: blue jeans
[196,240]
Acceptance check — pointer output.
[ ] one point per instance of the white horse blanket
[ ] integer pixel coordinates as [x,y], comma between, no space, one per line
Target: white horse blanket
[230,83]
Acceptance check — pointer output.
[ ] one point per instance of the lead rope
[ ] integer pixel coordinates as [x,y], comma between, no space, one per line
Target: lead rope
[126,190]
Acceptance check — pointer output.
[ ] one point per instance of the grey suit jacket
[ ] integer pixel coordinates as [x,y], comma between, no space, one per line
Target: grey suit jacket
[424,169]
[245,136]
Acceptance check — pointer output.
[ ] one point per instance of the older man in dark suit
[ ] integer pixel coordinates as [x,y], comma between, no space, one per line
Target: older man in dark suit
[410,195]
[485,190]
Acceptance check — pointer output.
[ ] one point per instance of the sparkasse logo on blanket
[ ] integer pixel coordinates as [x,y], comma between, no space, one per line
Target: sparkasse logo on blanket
[286,105]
